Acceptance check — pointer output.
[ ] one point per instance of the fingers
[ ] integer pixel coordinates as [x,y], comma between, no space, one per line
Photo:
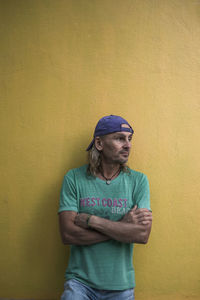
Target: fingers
[145,222]
[138,216]
[143,212]
[139,210]
[144,216]
[134,208]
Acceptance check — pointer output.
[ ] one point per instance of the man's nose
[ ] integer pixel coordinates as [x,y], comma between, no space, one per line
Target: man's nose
[127,144]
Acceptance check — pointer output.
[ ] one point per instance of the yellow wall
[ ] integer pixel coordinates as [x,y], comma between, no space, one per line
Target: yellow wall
[66,63]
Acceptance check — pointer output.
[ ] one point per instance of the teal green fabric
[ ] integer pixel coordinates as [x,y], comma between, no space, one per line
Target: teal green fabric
[106,265]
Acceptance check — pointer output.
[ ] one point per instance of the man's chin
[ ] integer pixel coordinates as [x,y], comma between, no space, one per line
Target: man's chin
[123,160]
[120,160]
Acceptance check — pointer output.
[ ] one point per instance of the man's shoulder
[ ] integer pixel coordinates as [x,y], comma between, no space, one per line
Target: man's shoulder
[136,174]
[80,171]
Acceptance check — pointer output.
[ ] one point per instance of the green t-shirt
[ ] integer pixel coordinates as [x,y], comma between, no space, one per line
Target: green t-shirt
[106,265]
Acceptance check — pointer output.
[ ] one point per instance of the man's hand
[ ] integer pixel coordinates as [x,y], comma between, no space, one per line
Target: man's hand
[82,220]
[140,216]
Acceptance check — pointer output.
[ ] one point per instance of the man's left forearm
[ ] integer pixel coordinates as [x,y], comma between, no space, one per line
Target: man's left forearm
[134,227]
[122,231]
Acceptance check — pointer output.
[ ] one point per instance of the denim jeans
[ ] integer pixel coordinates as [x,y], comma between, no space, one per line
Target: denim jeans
[76,290]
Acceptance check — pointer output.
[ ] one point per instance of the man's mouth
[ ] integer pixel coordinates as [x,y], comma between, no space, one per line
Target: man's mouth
[125,153]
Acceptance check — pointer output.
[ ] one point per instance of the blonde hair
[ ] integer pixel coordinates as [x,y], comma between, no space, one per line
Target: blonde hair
[94,162]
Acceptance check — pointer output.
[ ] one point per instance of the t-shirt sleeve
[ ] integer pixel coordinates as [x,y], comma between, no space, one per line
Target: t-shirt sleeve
[142,194]
[68,194]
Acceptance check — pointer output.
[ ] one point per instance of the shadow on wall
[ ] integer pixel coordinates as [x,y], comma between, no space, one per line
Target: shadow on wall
[43,253]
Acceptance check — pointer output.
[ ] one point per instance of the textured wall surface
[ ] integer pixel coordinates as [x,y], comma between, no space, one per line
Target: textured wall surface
[65,64]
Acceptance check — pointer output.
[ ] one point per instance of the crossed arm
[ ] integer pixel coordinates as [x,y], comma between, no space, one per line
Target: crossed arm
[134,227]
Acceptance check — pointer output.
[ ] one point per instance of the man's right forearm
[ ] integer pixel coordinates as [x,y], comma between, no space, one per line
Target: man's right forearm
[73,234]
[81,236]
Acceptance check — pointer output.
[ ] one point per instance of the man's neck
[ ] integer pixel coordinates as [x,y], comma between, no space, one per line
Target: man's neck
[108,170]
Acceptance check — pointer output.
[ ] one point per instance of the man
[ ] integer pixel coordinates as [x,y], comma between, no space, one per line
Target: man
[104,209]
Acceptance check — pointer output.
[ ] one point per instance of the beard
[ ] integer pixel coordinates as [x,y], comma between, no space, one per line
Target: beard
[116,158]
[119,160]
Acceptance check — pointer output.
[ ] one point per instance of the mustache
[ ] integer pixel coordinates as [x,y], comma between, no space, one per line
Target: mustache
[124,152]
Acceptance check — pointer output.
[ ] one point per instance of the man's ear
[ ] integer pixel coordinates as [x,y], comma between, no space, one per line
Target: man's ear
[98,143]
